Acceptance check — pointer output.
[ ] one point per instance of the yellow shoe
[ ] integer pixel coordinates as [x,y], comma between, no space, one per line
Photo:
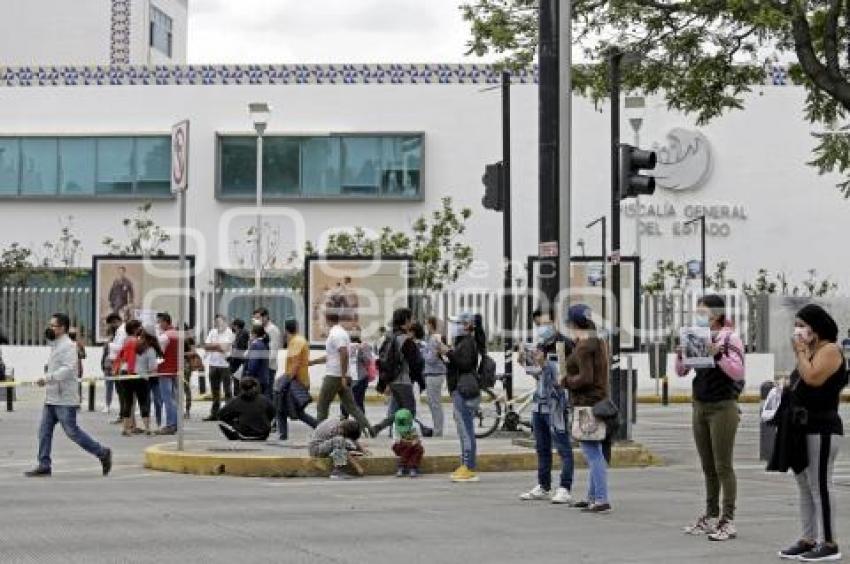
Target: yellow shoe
[464,474]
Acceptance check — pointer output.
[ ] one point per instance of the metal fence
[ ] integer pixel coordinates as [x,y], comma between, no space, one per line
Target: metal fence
[24,312]
[240,303]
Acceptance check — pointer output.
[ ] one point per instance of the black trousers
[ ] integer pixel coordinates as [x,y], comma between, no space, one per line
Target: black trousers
[134,391]
[219,377]
[404,399]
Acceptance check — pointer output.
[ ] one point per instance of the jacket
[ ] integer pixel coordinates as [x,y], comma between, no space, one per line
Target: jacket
[587,373]
[789,446]
[168,366]
[250,414]
[556,398]
[463,359]
[61,377]
[257,361]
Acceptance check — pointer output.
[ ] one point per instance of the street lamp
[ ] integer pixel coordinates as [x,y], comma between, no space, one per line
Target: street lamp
[701,219]
[603,221]
[260,113]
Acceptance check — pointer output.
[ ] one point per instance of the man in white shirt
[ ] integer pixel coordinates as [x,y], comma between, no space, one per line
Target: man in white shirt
[261,317]
[116,328]
[217,346]
[336,361]
[62,400]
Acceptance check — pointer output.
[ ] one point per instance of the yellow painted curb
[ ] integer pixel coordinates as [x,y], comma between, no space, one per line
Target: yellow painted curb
[248,463]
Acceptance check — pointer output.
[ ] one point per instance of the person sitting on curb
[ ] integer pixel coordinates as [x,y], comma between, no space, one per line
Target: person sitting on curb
[408,448]
[247,417]
[338,440]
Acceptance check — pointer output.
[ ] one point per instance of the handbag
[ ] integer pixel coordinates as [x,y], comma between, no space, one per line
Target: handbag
[606,410]
[586,426]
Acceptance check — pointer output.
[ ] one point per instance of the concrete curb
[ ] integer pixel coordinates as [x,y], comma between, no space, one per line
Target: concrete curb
[248,462]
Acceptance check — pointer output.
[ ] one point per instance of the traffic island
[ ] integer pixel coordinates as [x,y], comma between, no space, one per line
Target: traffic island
[269,460]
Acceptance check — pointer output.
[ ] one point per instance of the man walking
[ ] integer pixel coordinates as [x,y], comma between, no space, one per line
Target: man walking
[336,361]
[296,373]
[171,345]
[217,347]
[261,317]
[241,341]
[63,400]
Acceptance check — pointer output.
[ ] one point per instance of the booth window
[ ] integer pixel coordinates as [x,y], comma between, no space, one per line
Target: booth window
[334,166]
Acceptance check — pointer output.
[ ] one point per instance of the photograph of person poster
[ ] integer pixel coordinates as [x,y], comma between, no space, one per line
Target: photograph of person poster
[695,342]
[364,292]
[136,287]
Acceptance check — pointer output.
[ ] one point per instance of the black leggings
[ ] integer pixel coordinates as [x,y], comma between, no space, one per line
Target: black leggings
[130,390]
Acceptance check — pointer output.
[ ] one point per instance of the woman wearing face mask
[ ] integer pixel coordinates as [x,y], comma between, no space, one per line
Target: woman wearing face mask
[815,387]
[715,418]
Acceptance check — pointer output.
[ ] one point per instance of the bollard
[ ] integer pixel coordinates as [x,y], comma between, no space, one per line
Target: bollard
[767,433]
[10,394]
[202,384]
[665,392]
[91,395]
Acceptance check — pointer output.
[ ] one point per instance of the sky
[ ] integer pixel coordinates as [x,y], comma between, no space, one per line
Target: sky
[327,31]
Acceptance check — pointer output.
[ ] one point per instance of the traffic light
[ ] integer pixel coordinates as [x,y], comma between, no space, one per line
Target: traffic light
[632,162]
[494,193]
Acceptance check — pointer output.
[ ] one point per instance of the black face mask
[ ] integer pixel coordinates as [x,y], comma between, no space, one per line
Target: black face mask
[50,334]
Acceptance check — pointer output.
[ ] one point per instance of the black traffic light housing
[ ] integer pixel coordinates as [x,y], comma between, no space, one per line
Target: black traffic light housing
[494,187]
[632,162]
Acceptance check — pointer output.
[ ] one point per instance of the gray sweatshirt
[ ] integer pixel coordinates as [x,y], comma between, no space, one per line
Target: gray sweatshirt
[62,387]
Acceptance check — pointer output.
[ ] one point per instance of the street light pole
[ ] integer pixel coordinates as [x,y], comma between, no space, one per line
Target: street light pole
[259,112]
[507,303]
[701,220]
[565,98]
[603,221]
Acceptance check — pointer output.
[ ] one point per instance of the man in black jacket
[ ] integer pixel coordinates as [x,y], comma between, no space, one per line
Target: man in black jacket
[241,341]
[247,417]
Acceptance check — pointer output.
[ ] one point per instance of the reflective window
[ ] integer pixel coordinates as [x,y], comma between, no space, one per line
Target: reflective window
[160,32]
[348,166]
[85,166]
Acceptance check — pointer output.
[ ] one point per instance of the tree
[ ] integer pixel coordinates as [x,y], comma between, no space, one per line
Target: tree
[701,55]
[144,236]
[439,255]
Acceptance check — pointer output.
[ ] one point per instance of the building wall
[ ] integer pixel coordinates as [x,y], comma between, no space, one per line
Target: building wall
[759,164]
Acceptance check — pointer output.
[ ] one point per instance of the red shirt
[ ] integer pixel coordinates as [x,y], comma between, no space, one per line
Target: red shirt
[126,359]
[168,366]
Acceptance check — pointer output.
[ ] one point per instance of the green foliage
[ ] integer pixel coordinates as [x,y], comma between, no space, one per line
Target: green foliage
[701,55]
[439,254]
[144,236]
[65,250]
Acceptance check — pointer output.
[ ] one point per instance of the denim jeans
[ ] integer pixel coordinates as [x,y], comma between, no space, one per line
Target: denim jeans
[169,401]
[464,412]
[282,416]
[544,438]
[597,482]
[65,415]
[434,384]
[110,389]
[156,400]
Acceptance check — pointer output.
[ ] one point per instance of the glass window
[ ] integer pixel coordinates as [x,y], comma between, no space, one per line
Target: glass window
[40,166]
[348,166]
[115,165]
[160,32]
[238,165]
[10,161]
[153,165]
[76,165]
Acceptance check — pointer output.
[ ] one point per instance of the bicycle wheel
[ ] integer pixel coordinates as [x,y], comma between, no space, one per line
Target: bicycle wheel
[489,414]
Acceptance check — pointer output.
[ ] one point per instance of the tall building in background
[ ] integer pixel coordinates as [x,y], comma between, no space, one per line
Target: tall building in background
[93,32]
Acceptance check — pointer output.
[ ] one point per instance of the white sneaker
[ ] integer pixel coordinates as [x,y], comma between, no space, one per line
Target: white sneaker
[105,409]
[537,494]
[725,531]
[704,525]
[562,497]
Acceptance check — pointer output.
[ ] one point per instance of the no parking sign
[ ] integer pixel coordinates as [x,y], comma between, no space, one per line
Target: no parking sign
[180,156]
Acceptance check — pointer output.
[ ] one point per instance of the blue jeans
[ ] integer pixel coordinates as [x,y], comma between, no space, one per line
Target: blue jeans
[156,399]
[65,415]
[282,416]
[464,412]
[597,483]
[268,385]
[110,389]
[544,437]
[169,401]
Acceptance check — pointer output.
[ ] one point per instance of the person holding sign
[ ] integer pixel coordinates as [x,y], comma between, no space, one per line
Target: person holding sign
[716,387]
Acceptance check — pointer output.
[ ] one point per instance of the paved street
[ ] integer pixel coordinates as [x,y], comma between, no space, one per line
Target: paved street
[142,516]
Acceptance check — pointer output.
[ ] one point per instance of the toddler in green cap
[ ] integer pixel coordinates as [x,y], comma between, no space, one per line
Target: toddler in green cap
[408,448]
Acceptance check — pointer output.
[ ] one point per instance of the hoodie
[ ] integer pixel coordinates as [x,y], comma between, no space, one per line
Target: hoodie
[250,414]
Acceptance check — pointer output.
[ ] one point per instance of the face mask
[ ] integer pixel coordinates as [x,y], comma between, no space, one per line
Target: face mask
[257,322]
[50,334]
[803,334]
[702,321]
[544,334]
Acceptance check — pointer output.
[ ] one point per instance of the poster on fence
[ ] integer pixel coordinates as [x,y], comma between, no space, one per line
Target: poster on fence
[135,286]
[363,292]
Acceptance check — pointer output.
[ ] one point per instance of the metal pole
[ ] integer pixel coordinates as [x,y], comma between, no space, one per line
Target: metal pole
[565,54]
[616,58]
[604,270]
[704,266]
[181,319]
[549,207]
[507,305]
[258,255]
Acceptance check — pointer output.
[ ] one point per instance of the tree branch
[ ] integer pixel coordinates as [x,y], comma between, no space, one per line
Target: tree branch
[830,37]
[820,76]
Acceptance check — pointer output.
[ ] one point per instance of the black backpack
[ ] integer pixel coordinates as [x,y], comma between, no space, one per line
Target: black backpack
[389,362]
[487,372]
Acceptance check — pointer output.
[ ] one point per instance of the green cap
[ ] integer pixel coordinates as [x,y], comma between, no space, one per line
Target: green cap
[403,422]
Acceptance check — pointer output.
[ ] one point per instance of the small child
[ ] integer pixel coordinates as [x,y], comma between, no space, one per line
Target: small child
[408,448]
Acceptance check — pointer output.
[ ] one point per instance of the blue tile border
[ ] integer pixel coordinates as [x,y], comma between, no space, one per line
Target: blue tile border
[332,74]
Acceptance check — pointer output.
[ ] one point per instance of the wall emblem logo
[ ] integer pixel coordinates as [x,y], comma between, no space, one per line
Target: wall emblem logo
[685,162]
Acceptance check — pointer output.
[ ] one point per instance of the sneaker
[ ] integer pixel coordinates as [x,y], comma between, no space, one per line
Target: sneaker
[796,550]
[116,421]
[705,525]
[337,474]
[414,473]
[562,497]
[725,531]
[401,473]
[537,494]
[821,553]
[38,473]
[464,474]
[167,431]
[105,409]
[598,508]
[582,504]
[106,461]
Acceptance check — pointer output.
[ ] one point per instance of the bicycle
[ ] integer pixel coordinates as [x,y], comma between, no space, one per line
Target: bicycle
[496,410]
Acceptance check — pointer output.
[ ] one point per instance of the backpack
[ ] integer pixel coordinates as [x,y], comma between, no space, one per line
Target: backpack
[389,362]
[487,372]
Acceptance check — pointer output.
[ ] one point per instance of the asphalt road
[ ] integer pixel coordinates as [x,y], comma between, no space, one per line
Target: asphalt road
[137,515]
